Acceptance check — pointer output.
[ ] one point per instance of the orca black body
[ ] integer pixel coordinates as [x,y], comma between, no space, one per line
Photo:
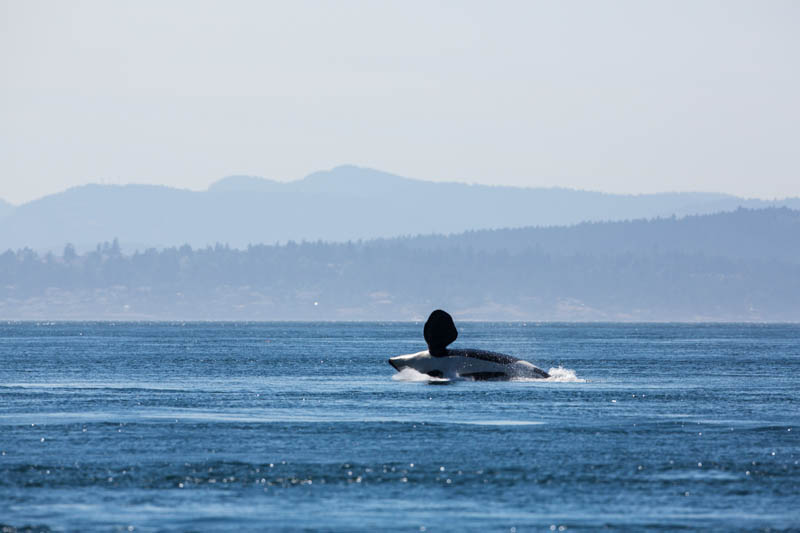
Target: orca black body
[441,362]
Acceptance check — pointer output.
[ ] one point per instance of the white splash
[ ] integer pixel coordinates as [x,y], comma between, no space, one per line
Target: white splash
[564,375]
[557,375]
[409,374]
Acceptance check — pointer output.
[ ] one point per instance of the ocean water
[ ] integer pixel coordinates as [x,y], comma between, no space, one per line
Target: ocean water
[301,426]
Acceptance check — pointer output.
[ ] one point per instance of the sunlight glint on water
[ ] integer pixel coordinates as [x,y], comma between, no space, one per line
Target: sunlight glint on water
[171,427]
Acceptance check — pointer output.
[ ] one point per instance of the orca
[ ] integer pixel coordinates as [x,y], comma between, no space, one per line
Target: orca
[438,361]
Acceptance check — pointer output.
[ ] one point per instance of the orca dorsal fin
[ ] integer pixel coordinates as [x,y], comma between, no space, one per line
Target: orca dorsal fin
[439,331]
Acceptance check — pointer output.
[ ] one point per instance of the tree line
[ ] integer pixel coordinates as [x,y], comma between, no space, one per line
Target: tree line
[397,279]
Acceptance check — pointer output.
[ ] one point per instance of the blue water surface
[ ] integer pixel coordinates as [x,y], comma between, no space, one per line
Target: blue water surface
[300,426]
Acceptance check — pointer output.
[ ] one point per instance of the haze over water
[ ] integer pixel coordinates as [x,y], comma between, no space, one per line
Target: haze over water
[252,426]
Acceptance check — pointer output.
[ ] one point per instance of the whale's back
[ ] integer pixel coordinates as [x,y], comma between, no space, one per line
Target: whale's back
[468,363]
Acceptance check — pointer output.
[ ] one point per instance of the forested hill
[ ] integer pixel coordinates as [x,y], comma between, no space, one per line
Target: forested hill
[745,233]
[345,203]
[737,266]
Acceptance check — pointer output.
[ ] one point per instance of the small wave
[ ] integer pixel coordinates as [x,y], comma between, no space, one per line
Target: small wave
[26,528]
[501,423]
[116,386]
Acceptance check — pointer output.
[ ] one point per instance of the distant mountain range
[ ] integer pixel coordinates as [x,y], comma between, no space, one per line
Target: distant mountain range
[346,203]
[762,234]
[5,208]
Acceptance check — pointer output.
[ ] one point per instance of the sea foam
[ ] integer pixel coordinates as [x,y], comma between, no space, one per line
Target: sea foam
[409,374]
[557,375]
[564,375]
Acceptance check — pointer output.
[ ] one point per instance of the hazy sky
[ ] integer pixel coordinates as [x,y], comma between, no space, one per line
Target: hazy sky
[614,96]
